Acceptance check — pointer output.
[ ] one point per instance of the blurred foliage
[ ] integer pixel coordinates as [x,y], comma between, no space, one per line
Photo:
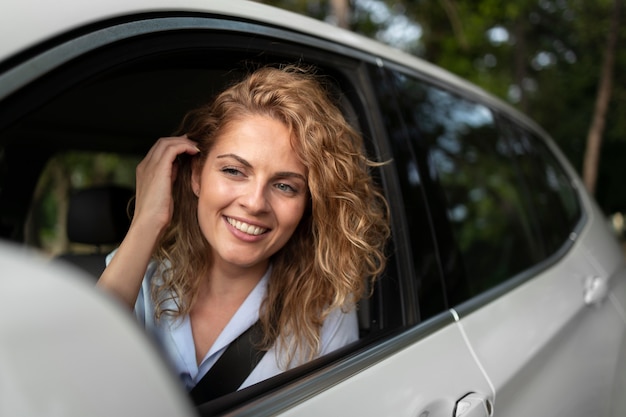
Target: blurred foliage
[541,56]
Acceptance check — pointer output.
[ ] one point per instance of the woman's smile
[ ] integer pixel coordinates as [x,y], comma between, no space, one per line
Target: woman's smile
[246,228]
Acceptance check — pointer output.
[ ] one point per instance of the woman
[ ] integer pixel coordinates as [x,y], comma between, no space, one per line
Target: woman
[263,211]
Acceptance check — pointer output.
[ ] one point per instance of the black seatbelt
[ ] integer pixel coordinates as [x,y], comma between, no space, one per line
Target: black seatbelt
[232,368]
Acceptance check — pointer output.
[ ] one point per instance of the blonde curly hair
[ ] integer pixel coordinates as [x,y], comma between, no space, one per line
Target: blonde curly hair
[338,245]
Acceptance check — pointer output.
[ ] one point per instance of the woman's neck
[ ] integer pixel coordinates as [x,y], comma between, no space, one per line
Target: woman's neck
[231,282]
[220,295]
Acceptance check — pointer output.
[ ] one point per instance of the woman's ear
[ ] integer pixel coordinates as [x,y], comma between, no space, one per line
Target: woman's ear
[196,173]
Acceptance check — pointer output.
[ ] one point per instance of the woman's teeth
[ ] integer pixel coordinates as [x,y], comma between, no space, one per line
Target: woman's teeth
[245,227]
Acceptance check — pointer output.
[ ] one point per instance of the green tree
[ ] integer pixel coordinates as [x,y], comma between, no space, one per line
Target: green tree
[543,56]
[596,130]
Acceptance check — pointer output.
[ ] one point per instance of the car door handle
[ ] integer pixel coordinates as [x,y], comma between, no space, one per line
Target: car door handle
[596,290]
[473,405]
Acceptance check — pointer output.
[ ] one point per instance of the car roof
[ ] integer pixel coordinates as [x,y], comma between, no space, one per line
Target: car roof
[29,23]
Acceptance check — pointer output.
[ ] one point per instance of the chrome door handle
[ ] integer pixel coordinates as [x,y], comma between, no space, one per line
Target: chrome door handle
[473,405]
[596,290]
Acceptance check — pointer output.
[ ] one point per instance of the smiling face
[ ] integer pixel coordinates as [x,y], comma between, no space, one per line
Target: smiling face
[252,193]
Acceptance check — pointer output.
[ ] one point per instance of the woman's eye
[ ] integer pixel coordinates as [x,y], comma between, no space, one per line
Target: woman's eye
[286,188]
[231,171]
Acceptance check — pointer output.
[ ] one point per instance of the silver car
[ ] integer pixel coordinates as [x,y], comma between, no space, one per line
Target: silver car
[505,292]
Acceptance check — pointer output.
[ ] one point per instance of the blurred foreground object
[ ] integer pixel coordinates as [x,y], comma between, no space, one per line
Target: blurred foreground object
[67,350]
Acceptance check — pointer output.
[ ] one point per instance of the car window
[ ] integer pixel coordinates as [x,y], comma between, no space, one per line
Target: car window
[550,190]
[482,193]
[508,202]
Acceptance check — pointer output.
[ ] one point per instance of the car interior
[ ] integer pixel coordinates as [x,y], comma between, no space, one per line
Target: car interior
[97,216]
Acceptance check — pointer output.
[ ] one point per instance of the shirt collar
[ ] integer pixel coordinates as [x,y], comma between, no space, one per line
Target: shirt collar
[181,336]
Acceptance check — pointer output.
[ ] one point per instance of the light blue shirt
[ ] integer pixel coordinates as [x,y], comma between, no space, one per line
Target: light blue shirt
[176,338]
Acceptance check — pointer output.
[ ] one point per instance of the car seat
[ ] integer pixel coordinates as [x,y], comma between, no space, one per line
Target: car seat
[99,217]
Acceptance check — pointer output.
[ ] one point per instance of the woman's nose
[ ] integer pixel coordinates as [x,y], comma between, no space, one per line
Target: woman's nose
[255,199]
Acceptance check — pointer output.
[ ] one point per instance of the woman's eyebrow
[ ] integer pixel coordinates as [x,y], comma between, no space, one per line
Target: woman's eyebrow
[237,157]
[288,174]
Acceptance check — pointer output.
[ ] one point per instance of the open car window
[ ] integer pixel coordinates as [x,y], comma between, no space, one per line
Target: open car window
[87,122]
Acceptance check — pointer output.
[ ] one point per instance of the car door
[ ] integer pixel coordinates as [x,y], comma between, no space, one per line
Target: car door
[422,374]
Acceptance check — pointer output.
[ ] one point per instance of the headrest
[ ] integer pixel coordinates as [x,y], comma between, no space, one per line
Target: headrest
[99,216]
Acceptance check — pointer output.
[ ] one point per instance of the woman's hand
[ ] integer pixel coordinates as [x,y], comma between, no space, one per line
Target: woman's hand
[153,211]
[155,175]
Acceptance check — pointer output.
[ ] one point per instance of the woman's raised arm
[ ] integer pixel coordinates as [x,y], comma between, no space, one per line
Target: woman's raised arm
[153,211]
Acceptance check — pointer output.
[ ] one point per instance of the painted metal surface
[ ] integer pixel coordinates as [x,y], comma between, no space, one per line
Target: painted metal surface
[547,347]
[427,378]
